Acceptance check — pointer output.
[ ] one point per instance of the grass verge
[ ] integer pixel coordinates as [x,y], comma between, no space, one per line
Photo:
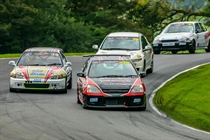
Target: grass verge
[67,54]
[186,98]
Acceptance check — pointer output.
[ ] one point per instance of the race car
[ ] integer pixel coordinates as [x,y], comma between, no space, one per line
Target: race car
[129,43]
[181,36]
[41,68]
[110,81]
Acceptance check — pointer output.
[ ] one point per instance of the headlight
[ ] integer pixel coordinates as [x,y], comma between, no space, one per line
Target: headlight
[136,58]
[185,39]
[18,75]
[92,89]
[156,40]
[56,76]
[137,89]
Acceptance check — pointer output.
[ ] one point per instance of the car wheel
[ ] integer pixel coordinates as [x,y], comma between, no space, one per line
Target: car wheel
[70,83]
[84,104]
[192,49]
[150,70]
[208,49]
[144,70]
[174,52]
[78,101]
[156,52]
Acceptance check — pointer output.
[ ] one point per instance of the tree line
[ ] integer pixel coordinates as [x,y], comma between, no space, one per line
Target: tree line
[76,25]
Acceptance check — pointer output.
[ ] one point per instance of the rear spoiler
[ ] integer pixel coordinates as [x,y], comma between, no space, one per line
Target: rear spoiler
[91,55]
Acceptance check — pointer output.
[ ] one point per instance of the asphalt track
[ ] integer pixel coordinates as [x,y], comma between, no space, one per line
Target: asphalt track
[53,116]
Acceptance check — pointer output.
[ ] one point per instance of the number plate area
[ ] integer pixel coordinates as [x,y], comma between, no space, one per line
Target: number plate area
[168,44]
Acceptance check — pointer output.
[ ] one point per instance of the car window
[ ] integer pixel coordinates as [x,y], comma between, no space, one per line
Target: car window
[179,28]
[127,43]
[197,27]
[40,58]
[113,68]
[203,27]
[143,42]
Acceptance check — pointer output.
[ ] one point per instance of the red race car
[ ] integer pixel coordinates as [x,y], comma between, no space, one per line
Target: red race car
[110,81]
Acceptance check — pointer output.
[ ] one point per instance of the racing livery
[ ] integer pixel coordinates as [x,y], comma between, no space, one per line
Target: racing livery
[129,43]
[181,36]
[41,68]
[110,81]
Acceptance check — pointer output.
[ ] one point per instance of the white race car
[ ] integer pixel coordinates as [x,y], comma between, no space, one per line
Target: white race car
[129,43]
[41,68]
[181,36]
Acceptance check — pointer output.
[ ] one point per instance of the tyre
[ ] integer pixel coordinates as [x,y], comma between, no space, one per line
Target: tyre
[84,104]
[144,72]
[70,83]
[192,49]
[78,101]
[174,52]
[150,70]
[208,49]
[11,90]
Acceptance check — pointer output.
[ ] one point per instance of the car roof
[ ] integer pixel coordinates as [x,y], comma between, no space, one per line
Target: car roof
[108,57]
[127,34]
[185,22]
[47,49]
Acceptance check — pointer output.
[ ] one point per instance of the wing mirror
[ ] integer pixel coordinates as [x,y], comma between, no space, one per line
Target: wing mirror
[81,74]
[69,64]
[95,46]
[12,63]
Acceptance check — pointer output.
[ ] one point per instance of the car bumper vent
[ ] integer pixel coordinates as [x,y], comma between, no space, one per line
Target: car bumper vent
[36,85]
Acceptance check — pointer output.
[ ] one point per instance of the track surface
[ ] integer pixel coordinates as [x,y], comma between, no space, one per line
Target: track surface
[48,116]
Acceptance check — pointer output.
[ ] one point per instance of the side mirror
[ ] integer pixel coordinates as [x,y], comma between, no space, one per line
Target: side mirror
[12,63]
[95,46]
[81,74]
[69,64]
[147,48]
[198,31]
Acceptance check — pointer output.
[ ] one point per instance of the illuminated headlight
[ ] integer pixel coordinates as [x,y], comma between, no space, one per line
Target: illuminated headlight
[18,75]
[92,89]
[136,58]
[137,89]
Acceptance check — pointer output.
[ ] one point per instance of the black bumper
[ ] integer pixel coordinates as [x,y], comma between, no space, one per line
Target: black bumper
[116,102]
[177,47]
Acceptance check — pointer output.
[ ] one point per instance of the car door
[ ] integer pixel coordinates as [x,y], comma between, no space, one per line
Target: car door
[146,52]
[199,34]
[203,33]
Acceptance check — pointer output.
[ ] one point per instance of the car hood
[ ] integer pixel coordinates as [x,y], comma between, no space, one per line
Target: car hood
[114,83]
[174,36]
[42,72]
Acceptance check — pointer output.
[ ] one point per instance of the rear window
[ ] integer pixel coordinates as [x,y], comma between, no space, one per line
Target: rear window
[122,43]
[100,68]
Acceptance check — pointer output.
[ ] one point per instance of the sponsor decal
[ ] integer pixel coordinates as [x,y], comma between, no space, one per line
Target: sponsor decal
[207,35]
[37,74]
[115,80]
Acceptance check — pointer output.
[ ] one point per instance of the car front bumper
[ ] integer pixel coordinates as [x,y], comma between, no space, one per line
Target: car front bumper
[177,46]
[115,102]
[37,84]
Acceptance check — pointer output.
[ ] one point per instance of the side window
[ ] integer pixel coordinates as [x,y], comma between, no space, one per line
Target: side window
[63,58]
[203,27]
[143,42]
[84,68]
[197,28]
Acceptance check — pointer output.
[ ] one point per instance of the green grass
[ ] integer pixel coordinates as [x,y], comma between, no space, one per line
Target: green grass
[67,54]
[186,98]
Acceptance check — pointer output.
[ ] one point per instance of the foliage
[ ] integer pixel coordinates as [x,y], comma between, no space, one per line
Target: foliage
[76,25]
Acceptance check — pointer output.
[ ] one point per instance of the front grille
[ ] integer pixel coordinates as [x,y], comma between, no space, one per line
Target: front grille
[36,85]
[115,90]
[170,40]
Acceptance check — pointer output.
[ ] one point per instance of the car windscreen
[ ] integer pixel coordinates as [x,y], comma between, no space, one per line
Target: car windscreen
[179,28]
[111,68]
[40,58]
[121,43]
